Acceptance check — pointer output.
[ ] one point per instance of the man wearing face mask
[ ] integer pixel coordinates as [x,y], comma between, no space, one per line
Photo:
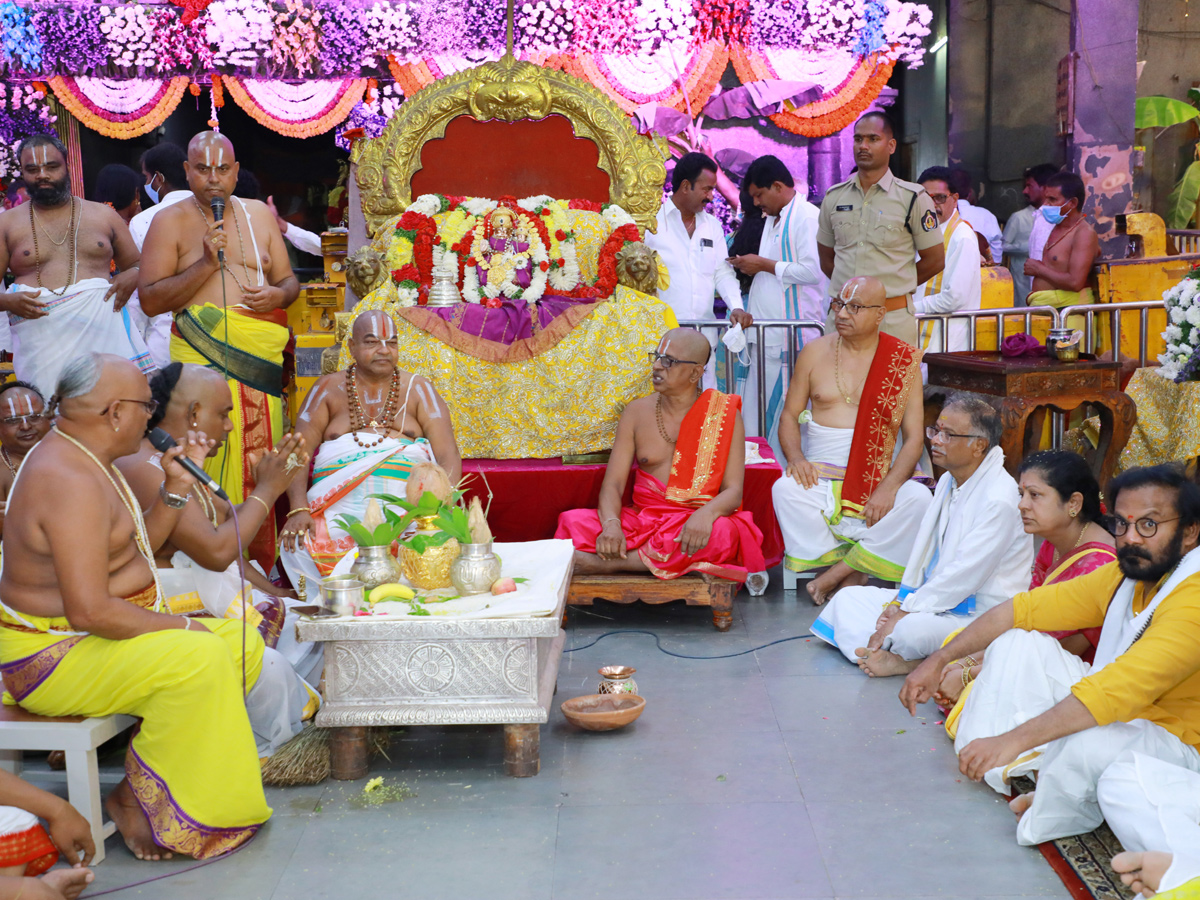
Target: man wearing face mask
[60,249]
[1037,707]
[1060,271]
[229,312]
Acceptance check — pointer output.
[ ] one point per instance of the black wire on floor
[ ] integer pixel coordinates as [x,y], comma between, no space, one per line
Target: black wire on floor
[658,643]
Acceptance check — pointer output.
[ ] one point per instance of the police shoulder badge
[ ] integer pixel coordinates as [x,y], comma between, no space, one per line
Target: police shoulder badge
[928,220]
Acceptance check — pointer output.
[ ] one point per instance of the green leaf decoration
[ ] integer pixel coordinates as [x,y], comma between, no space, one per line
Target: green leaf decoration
[520,580]
[1181,205]
[1162,112]
[454,521]
[393,500]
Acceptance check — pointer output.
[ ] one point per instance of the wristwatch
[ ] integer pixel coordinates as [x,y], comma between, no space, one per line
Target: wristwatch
[173,501]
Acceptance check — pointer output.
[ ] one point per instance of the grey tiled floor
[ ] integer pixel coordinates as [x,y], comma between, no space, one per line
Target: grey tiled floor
[780,773]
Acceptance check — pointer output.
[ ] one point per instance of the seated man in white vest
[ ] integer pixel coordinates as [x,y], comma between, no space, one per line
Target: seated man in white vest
[845,503]
[971,553]
[1036,707]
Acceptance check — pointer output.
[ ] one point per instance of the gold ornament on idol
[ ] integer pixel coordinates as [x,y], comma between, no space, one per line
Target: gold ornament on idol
[141,538]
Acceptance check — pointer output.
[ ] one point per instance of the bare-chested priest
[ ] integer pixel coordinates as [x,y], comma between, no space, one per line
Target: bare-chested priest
[371,424]
[23,422]
[687,494]
[229,315]
[81,632]
[60,247]
[847,502]
[1061,268]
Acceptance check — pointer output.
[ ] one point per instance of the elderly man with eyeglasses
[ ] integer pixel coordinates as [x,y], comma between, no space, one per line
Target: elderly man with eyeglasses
[23,422]
[1087,730]
[690,449]
[848,503]
[970,553]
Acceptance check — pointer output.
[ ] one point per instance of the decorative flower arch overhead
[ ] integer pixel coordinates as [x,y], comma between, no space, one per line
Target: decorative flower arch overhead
[299,110]
[119,108]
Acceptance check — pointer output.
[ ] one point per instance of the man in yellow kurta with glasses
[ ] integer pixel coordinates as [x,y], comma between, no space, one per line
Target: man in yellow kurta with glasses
[228,284]
[81,632]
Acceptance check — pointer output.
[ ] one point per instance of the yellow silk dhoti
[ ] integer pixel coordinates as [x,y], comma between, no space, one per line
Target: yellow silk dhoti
[192,763]
[248,349]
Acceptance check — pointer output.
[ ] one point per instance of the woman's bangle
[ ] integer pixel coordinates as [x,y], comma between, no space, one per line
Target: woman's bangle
[299,509]
[266,506]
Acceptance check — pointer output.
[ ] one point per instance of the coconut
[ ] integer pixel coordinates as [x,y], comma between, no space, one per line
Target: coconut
[477,522]
[428,477]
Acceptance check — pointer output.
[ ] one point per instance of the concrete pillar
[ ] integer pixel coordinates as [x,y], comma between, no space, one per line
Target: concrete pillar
[1104,36]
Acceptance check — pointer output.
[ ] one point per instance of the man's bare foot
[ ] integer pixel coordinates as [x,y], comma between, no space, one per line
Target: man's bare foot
[833,580]
[1020,803]
[1142,872]
[124,810]
[69,882]
[882,663]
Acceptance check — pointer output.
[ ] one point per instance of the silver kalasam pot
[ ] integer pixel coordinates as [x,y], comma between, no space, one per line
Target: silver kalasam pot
[476,569]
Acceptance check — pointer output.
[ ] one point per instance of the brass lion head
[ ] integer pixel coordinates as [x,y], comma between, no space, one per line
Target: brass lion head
[637,268]
[364,271]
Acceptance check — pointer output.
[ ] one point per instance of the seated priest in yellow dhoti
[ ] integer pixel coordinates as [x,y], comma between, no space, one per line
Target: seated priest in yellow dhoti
[687,494]
[847,502]
[199,566]
[371,424]
[227,284]
[83,627]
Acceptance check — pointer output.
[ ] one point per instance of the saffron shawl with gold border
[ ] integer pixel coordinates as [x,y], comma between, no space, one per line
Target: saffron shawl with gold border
[705,438]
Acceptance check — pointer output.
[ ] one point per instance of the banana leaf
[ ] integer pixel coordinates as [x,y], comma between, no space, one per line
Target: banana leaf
[1181,205]
[1162,112]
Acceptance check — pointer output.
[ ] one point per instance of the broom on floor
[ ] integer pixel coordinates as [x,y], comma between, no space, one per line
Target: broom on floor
[305,758]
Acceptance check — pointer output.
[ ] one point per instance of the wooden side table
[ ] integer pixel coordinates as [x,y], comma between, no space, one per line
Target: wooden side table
[1028,388]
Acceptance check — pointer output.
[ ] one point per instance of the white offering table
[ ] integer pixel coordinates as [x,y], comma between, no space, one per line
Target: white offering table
[476,660]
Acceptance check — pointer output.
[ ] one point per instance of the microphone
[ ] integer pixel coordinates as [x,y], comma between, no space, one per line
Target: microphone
[164,442]
[218,211]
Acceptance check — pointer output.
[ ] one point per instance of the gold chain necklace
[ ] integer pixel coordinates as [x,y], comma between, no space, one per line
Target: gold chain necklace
[73,230]
[47,233]
[241,245]
[121,486]
[1079,540]
[658,416]
[8,461]
[837,372]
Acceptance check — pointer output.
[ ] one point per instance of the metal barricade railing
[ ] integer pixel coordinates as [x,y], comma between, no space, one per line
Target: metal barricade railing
[794,337]
[1113,311]
[1001,315]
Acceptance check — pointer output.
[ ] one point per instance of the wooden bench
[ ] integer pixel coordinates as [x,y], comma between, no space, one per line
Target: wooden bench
[693,589]
[78,737]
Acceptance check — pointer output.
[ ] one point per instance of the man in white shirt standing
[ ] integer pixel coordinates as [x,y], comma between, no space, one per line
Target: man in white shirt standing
[692,247]
[166,184]
[959,285]
[983,221]
[1019,228]
[788,282]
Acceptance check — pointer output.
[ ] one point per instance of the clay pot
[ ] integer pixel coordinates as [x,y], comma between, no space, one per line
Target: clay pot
[603,712]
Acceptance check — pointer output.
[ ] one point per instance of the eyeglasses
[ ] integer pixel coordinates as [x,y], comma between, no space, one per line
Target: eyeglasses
[939,199]
[933,433]
[13,421]
[149,405]
[668,361]
[836,306]
[1145,526]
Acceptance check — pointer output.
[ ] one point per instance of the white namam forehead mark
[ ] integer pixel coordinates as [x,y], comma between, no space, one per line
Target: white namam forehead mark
[17,403]
[429,398]
[853,291]
[42,157]
[664,346]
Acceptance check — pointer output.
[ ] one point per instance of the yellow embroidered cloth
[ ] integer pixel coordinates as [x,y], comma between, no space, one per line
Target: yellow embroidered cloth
[566,400]
[1167,426]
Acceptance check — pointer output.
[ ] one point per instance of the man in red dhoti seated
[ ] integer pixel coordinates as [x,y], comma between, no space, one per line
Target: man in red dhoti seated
[687,493]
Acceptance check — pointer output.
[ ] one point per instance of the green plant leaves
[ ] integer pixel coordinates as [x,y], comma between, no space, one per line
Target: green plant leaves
[1181,205]
[1163,112]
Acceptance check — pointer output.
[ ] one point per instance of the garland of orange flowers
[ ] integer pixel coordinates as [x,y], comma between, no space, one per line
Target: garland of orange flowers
[149,117]
[831,113]
[333,115]
[410,77]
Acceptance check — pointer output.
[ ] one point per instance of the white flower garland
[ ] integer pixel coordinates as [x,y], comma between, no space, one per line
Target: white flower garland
[616,217]
[119,96]
[240,31]
[1182,335]
[426,205]
[480,206]
[566,279]
[295,102]
[131,37]
[472,292]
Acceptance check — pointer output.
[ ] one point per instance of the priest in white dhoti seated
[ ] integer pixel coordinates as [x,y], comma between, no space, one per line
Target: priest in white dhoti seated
[1037,708]
[848,502]
[971,553]
[200,565]
[371,425]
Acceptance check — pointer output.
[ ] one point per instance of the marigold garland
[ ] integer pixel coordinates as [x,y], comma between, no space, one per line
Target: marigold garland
[115,124]
[333,114]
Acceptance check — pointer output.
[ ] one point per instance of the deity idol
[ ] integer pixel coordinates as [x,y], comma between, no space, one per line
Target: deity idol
[504,254]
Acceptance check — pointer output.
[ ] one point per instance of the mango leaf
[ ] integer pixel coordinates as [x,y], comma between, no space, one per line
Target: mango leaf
[1162,112]
[422,541]
[453,520]
[356,530]
[1181,205]
[393,500]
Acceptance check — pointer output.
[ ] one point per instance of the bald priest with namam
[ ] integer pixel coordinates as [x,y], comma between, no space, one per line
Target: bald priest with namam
[690,451]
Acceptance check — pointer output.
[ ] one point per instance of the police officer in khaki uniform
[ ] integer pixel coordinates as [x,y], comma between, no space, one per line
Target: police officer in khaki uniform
[875,224]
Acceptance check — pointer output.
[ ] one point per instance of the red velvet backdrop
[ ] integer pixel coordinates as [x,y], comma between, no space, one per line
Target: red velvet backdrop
[529,494]
[525,158]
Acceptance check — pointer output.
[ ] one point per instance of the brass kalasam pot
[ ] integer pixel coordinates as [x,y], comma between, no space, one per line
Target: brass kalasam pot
[430,570]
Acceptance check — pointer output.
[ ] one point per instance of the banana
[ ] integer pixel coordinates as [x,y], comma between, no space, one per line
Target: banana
[390,592]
